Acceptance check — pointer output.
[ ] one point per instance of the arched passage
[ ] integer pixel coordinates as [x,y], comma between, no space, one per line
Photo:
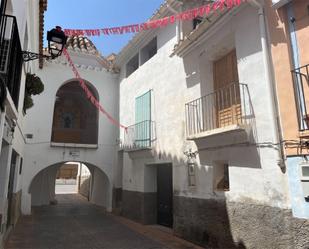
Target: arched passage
[75,119]
[42,187]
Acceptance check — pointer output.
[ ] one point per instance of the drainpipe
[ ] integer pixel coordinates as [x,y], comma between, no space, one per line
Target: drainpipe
[270,84]
[296,63]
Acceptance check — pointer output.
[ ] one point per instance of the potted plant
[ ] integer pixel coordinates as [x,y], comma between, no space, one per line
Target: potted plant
[34,86]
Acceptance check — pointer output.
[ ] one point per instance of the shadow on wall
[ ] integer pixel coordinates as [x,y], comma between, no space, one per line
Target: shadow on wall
[203,221]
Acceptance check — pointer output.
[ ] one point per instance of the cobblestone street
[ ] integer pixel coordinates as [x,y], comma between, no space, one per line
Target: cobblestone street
[74,223]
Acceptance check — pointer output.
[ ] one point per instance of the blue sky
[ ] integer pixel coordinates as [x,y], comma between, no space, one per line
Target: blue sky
[87,14]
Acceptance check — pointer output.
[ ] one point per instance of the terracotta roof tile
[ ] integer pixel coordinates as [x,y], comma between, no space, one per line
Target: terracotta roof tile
[83,44]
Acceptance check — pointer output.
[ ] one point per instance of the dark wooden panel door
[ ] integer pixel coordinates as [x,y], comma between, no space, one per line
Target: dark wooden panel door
[11,188]
[165,194]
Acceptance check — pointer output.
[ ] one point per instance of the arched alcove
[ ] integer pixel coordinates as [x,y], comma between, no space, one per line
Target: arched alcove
[75,118]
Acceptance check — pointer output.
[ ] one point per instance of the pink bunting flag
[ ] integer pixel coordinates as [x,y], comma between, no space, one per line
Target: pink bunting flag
[205,10]
[89,94]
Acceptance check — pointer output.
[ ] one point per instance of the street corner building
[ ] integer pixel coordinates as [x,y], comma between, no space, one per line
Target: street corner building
[200,126]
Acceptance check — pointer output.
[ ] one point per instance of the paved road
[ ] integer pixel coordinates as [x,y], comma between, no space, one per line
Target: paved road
[76,224]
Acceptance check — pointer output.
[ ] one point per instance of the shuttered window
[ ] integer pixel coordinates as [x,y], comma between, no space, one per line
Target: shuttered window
[143,120]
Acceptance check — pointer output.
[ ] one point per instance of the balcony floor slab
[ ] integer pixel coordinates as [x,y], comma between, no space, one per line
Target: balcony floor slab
[233,134]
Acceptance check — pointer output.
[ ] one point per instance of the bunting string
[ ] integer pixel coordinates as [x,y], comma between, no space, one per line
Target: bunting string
[202,11]
[89,94]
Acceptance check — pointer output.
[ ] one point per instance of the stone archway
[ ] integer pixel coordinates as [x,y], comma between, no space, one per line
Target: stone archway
[42,186]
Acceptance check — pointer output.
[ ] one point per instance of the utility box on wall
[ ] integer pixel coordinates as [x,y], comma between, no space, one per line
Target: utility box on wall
[304,178]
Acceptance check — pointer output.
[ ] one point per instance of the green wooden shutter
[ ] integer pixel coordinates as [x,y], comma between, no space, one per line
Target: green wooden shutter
[143,120]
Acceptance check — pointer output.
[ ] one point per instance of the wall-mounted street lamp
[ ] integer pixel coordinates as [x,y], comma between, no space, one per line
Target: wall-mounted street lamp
[56,42]
[191,164]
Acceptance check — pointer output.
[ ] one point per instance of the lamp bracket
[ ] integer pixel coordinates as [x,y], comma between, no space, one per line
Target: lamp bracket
[30,56]
[191,154]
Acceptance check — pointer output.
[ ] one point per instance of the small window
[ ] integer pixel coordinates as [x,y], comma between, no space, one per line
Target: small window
[132,65]
[149,50]
[221,177]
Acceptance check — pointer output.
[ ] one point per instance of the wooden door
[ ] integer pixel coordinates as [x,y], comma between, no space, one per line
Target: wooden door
[165,194]
[226,88]
[10,218]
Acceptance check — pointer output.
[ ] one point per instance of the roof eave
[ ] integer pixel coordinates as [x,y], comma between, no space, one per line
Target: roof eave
[204,30]
[42,9]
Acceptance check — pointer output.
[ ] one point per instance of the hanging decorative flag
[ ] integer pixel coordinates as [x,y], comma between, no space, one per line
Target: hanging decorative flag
[89,94]
[219,5]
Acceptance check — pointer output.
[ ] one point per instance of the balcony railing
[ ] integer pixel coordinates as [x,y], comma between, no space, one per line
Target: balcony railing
[10,55]
[301,90]
[230,105]
[140,136]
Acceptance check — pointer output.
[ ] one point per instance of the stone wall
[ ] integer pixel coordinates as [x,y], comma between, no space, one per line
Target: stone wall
[221,224]
[138,206]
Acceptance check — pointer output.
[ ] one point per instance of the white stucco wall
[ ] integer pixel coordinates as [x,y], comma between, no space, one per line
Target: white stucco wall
[254,173]
[22,10]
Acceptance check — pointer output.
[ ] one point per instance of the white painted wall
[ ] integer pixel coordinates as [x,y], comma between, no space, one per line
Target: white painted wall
[42,188]
[254,173]
[83,170]
[99,184]
[23,12]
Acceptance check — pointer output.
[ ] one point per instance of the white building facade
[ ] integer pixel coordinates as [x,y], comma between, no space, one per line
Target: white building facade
[202,154]
[20,25]
[70,128]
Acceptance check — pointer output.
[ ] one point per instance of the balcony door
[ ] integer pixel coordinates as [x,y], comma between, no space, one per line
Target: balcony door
[227,95]
[143,120]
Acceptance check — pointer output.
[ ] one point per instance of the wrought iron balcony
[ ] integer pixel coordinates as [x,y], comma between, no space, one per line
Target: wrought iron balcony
[140,136]
[10,55]
[227,106]
[301,90]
